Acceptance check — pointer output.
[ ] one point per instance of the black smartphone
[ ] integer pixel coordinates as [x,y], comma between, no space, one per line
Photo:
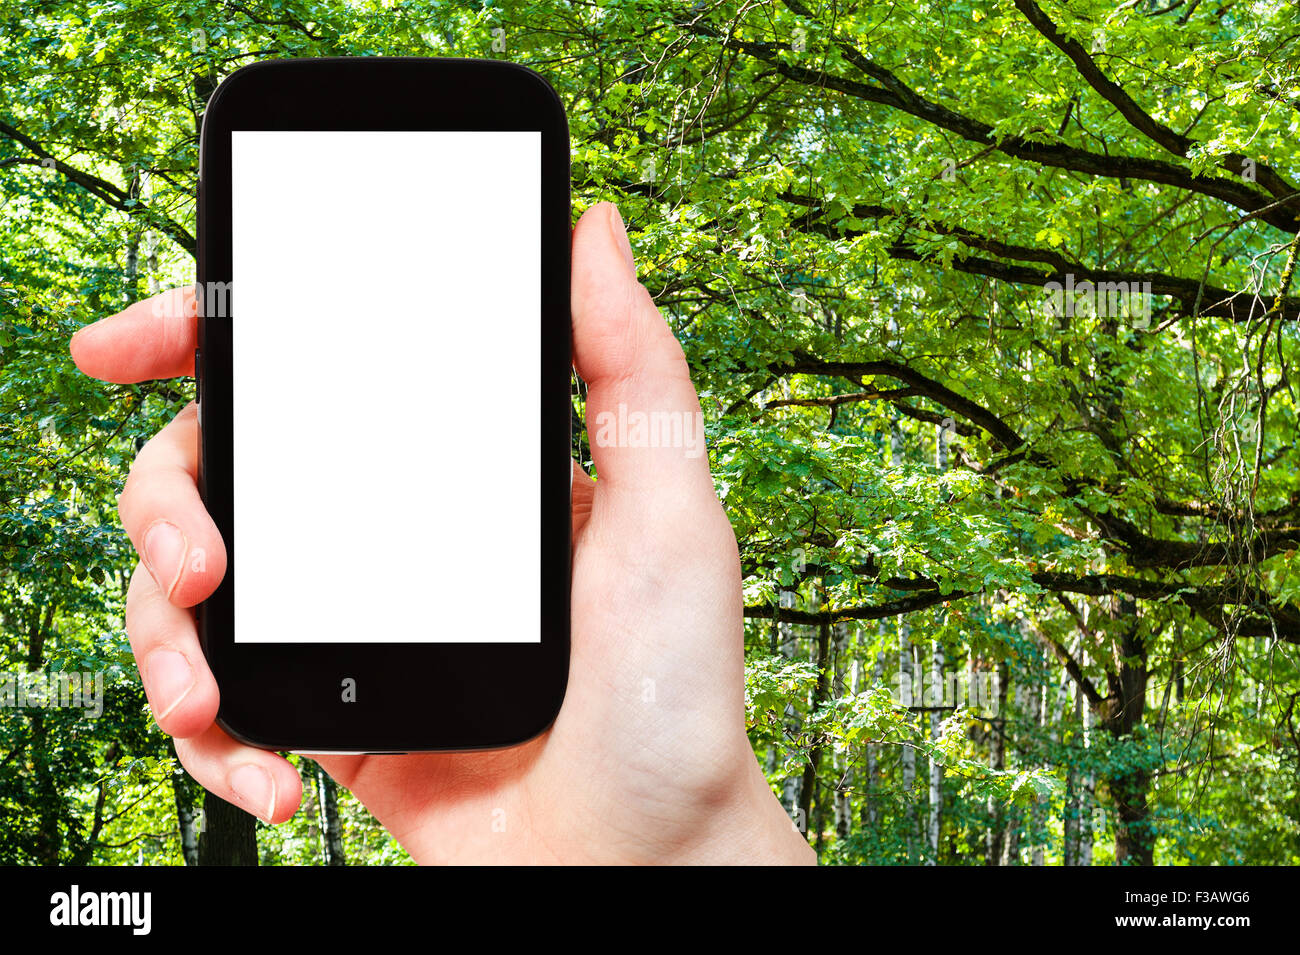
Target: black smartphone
[383,387]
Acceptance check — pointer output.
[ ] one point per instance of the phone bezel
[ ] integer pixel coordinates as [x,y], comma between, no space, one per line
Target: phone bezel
[409,696]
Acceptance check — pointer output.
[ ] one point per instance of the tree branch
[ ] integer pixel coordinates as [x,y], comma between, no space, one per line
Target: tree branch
[102,189]
[894,93]
[998,429]
[1213,300]
[1140,119]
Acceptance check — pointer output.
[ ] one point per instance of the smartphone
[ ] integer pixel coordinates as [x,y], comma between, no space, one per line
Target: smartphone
[383,387]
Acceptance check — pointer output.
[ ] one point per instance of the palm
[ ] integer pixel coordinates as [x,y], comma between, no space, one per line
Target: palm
[620,732]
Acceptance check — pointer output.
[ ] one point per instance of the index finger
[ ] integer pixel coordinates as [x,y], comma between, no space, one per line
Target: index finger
[153,338]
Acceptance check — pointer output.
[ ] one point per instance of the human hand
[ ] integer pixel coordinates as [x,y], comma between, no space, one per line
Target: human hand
[623,776]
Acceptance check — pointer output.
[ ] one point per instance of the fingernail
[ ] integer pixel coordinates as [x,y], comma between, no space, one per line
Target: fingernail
[164,554]
[254,790]
[170,679]
[620,237]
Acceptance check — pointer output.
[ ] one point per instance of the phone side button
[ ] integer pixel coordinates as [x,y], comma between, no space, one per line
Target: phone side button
[198,386]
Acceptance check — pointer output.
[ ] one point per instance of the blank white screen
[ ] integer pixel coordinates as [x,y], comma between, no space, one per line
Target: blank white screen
[387,295]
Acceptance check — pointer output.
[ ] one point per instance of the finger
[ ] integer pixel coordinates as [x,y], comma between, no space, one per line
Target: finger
[154,338]
[642,413]
[165,517]
[584,490]
[255,780]
[181,689]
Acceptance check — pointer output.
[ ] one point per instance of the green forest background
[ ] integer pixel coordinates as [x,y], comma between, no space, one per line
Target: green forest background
[850,213]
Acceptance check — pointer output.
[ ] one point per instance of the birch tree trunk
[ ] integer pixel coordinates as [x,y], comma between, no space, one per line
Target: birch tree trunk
[49,836]
[774,647]
[937,666]
[935,823]
[187,820]
[132,264]
[846,682]
[1037,813]
[1088,826]
[1011,842]
[872,786]
[790,788]
[996,835]
[908,755]
[327,799]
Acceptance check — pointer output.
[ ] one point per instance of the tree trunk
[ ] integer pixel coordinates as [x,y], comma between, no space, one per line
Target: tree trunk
[1134,844]
[1134,836]
[1088,824]
[869,809]
[327,798]
[935,822]
[995,839]
[911,817]
[186,818]
[820,692]
[131,269]
[939,678]
[846,683]
[1011,842]
[787,642]
[229,834]
[908,756]
[774,647]
[1072,824]
[1038,695]
[49,803]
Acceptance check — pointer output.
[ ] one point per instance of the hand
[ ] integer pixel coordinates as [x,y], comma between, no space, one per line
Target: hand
[619,777]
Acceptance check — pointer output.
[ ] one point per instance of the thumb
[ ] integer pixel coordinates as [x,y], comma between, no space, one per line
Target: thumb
[643,417]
